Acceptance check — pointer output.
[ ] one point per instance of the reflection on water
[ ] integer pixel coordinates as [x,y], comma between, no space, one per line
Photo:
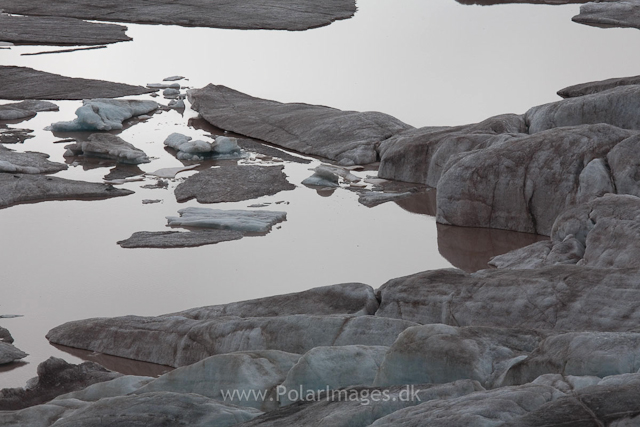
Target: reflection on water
[443,64]
[11,366]
[118,364]
[470,249]
[421,203]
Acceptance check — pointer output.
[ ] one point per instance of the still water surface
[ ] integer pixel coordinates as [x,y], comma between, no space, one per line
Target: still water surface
[427,63]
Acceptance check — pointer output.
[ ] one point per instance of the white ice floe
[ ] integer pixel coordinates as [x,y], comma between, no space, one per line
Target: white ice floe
[104,115]
[239,220]
[225,145]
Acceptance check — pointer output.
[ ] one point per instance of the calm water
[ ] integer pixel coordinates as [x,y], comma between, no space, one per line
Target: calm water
[427,63]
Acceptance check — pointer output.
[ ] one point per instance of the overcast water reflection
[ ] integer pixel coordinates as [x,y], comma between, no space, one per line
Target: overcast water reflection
[433,62]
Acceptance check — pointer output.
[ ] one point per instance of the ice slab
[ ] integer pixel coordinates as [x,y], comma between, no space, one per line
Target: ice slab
[107,146]
[104,115]
[239,220]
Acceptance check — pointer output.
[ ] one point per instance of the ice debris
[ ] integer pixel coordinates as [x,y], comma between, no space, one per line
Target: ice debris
[239,220]
[104,114]
[329,176]
[107,146]
[189,149]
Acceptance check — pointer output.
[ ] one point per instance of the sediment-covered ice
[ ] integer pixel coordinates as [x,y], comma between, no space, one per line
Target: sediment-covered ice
[246,221]
[107,146]
[104,114]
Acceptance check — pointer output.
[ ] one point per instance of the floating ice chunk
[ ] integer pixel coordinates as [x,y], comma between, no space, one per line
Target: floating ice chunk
[151,201]
[199,150]
[329,176]
[340,171]
[163,85]
[175,140]
[107,146]
[239,220]
[123,180]
[172,78]
[104,114]
[197,146]
[322,178]
[225,145]
[171,172]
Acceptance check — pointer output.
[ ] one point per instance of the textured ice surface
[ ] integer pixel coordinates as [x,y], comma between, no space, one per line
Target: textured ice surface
[107,146]
[189,149]
[104,114]
[240,220]
[225,145]
[322,179]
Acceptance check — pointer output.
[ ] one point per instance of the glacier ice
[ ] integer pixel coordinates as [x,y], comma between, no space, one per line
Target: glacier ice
[239,220]
[107,146]
[225,145]
[322,178]
[188,149]
[104,114]
[329,176]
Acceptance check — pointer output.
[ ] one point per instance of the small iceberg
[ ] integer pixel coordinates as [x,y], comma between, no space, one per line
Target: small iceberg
[238,220]
[107,146]
[104,115]
[188,149]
